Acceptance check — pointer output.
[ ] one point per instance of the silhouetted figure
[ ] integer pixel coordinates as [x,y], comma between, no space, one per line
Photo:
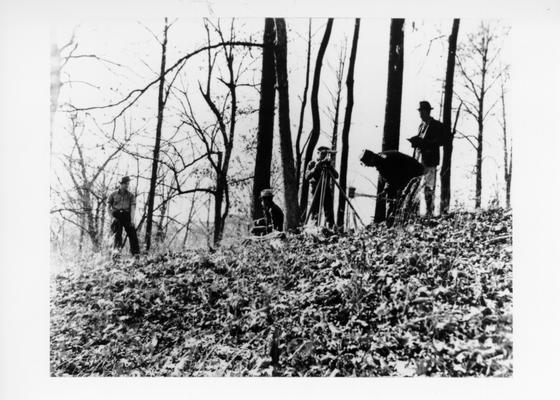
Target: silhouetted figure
[397,169]
[273,219]
[426,149]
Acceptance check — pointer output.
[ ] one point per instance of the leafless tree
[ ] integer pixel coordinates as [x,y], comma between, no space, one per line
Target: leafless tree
[347,123]
[288,167]
[263,157]
[506,139]
[336,95]
[447,106]
[84,205]
[479,70]
[316,129]
[391,128]
[218,137]
[300,148]
[162,99]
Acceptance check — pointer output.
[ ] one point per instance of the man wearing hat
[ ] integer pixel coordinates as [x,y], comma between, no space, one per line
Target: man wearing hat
[426,144]
[273,219]
[122,206]
[313,174]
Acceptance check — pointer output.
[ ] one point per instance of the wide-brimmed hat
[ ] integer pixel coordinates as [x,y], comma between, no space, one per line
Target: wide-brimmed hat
[266,193]
[125,179]
[424,105]
[323,148]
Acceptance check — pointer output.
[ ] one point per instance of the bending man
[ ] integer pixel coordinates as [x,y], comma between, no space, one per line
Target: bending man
[397,169]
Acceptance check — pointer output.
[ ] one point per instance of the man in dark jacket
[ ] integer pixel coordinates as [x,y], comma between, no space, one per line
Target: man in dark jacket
[273,219]
[122,206]
[313,174]
[397,169]
[431,135]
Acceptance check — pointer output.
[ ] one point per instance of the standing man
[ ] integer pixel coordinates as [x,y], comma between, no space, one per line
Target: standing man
[426,150]
[122,205]
[273,217]
[313,174]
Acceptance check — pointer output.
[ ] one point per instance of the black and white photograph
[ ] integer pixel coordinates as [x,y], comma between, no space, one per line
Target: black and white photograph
[317,195]
[240,197]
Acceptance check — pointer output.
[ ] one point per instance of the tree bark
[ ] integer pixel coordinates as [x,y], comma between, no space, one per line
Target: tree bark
[507,149]
[339,77]
[288,168]
[479,139]
[316,130]
[218,201]
[347,123]
[391,128]
[155,162]
[299,148]
[445,173]
[265,131]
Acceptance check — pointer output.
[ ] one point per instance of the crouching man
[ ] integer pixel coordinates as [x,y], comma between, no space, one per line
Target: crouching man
[122,205]
[273,217]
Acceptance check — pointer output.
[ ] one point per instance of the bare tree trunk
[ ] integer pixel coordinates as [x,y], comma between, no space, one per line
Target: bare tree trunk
[155,162]
[481,52]
[189,220]
[288,168]
[339,78]
[347,123]
[508,182]
[447,106]
[507,149]
[391,128]
[265,131]
[480,121]
[316,130]
[208,244]
[479,148]
[299,148]
[160,233]
[218,201]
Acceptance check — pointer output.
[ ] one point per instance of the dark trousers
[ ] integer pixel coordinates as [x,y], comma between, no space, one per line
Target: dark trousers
[122,220]
[327,204]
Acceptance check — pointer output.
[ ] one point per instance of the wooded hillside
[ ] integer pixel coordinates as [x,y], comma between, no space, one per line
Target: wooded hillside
[433,299]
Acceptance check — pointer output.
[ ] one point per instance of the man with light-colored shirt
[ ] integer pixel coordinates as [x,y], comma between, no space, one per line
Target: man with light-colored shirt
[122,206]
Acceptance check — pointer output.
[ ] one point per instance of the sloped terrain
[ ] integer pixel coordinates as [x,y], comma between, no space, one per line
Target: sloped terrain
[432,299]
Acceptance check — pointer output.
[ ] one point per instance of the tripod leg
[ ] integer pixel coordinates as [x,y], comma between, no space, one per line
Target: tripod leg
[315,194]
[347,199]
[323,184]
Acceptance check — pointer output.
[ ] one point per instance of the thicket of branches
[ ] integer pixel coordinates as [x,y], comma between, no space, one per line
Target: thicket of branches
[180,133]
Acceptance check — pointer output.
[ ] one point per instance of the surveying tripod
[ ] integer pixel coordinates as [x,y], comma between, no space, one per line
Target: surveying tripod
[321,189]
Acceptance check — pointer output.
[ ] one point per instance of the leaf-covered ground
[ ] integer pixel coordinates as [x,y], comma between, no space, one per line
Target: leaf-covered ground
[432,299]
